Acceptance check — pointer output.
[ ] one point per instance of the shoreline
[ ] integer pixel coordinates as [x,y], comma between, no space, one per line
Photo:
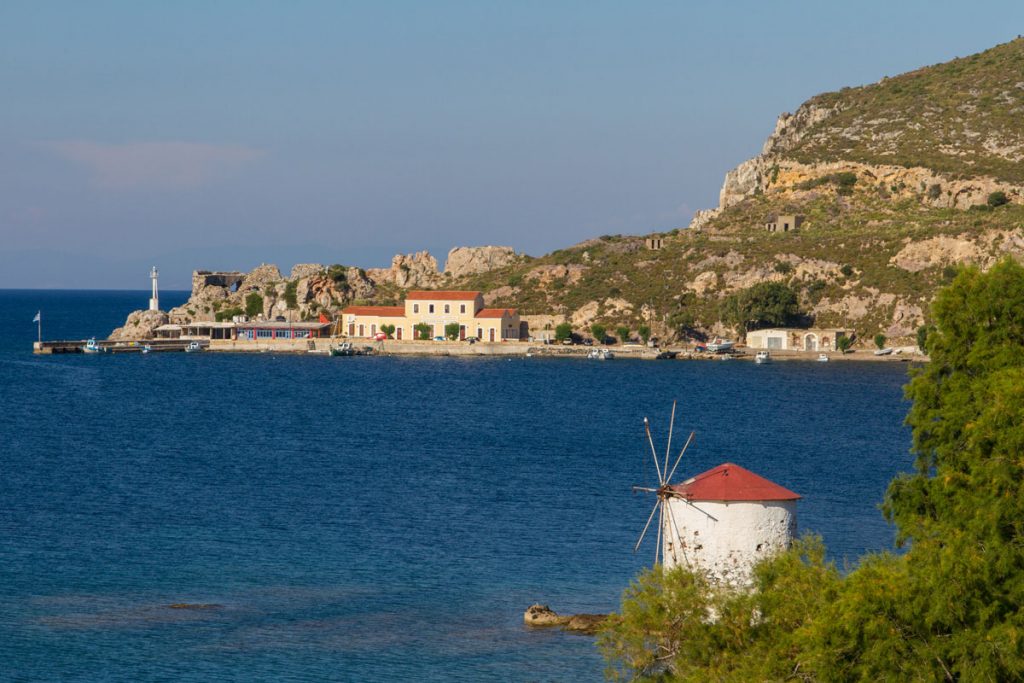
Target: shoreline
[321,346]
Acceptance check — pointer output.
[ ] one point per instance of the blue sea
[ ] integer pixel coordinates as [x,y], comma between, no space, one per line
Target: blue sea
[373,519]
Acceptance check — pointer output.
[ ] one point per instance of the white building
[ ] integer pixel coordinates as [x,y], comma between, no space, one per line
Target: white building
[721,522]
[793,339]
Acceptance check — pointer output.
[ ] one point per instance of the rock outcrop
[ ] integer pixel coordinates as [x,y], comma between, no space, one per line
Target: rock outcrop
[414,271]
[542,616]
[464,261]
[302,270]
[139,325]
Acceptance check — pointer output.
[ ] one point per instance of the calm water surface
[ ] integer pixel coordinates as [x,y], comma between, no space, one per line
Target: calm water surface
[372,519]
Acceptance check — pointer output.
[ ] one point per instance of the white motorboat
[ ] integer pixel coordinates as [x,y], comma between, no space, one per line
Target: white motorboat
[887,351]
[193,346]
[822,357]
[719,345]
[600,354]
[763,357]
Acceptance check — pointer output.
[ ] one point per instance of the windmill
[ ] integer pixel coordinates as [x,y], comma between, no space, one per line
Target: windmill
[664,492]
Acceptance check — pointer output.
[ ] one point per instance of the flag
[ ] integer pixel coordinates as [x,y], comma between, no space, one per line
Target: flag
[38,317]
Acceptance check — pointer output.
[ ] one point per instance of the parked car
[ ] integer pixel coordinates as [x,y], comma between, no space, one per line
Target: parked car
[439,338]
[380,336]
[472,340]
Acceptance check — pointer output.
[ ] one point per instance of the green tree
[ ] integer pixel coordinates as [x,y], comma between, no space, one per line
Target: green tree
[880,340]
[423,330]
[291,297]
[388,329]
[843,343]
[762,305]
[253,305]
[645,332]
[922,337]
[623,332]
[563,332]
[451,330]
[598,331]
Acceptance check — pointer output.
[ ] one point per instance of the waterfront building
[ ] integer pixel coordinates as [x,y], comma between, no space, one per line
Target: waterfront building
[723,521]
[795,339]
[436,310]
[256,330]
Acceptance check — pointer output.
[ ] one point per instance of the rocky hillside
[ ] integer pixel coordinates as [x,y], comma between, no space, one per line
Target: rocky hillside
[897,183]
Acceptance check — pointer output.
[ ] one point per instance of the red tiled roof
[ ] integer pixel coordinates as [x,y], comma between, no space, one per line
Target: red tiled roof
[379,311]
[494,312]
[442,295]
[733,483]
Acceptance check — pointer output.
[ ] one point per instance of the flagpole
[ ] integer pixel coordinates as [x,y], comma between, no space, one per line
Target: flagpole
[39,319]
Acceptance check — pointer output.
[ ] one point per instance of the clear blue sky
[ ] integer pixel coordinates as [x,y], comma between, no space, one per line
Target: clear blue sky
[222,134]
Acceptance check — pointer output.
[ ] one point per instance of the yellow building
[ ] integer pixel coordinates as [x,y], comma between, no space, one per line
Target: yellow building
[436,310]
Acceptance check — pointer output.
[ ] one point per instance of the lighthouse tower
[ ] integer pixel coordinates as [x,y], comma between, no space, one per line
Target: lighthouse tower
[154,301]
[721,522]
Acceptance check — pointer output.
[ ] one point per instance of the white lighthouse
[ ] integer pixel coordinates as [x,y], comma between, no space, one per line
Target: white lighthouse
[721,522]
[154,301]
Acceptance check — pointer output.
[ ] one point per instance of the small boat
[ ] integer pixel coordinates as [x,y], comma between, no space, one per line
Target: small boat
[667,355]
[92,347]
[887,351]
[600,354]
[146,348]
[344,349]
[763,357]
[720,345]
[193,347]
[822,357]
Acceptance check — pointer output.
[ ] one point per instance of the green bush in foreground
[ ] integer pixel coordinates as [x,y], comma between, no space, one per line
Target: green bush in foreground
[950,608]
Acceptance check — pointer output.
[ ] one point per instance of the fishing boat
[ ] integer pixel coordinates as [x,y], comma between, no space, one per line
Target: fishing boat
[719,345]
[92,347]
[600,354]
[763,357]
[193,347]
[822,357]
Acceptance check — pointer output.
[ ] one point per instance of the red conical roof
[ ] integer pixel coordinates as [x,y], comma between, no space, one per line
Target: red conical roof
[731,482]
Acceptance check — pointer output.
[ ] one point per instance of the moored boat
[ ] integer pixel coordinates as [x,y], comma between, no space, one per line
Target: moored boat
[763,357]
[719,345]
[887,351]
[193,347]
[822,357]
[92,347]
[600,354]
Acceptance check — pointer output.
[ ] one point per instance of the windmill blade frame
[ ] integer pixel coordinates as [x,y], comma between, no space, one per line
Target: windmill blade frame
[646,526]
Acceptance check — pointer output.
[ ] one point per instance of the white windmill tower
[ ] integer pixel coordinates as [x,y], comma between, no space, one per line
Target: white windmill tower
[720,522]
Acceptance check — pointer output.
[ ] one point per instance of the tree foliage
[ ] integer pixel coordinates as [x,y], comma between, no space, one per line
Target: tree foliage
[451,330]
[598,331]
[645,332]
[949,608]
[880,340]
[423,330]
[253,305]
[388,329]
[623,332]
[563,332]
[765,304]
